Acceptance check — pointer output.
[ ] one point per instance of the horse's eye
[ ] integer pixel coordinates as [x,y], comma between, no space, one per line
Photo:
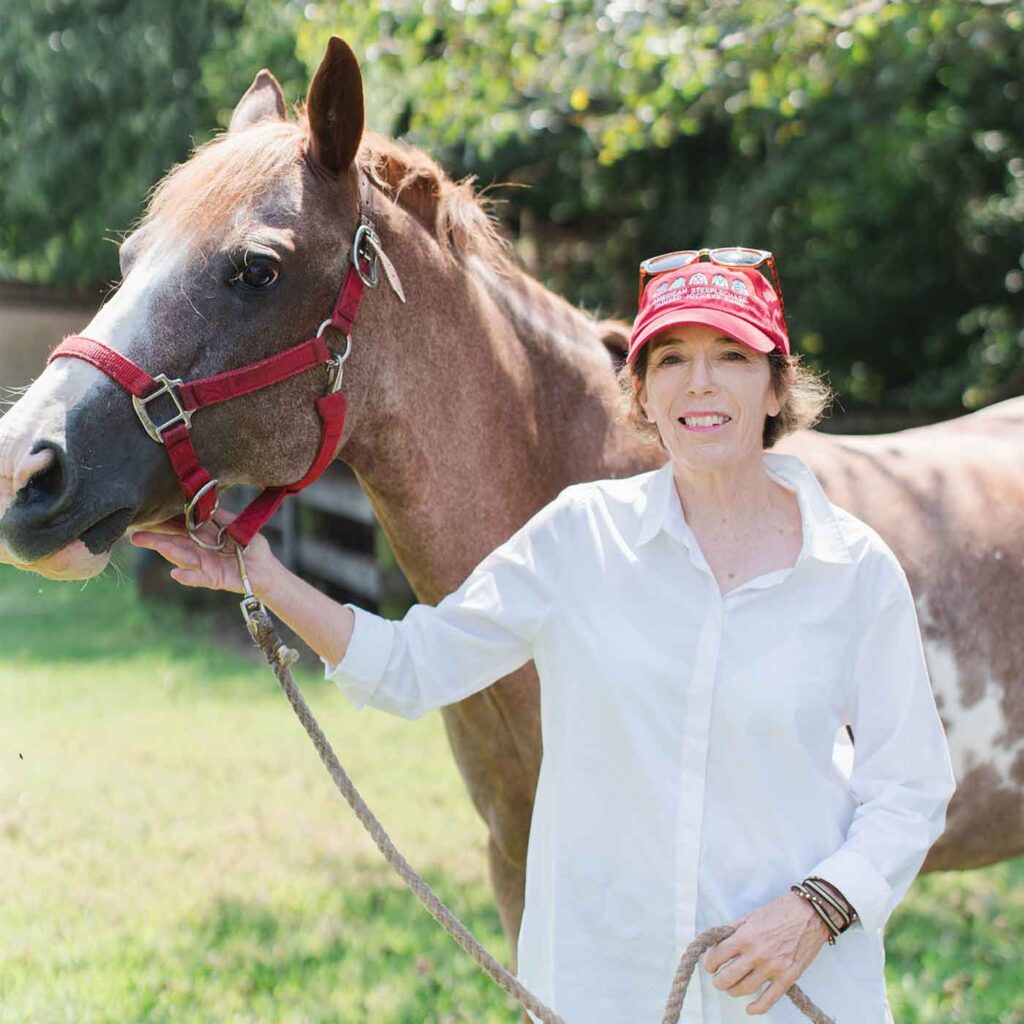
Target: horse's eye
[257,275]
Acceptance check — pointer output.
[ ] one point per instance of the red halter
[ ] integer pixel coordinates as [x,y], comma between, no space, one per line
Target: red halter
[198,486]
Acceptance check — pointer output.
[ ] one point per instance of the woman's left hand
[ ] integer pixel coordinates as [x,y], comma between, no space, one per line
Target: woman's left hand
[774,943]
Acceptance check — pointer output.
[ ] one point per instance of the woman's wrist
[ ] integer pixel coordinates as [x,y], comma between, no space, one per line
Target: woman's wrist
[268,577]
[813,914]
[828,903]
[325,625]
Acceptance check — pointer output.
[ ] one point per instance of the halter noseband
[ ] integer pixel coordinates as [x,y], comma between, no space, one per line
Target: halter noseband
[197,484]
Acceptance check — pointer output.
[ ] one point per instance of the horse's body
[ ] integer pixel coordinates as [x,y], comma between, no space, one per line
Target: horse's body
[470,408]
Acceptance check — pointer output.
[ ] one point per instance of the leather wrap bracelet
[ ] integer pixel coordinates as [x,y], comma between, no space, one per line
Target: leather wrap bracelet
[816,902]
[828,902]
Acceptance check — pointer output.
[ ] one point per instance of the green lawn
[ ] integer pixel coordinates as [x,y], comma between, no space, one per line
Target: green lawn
[171,849]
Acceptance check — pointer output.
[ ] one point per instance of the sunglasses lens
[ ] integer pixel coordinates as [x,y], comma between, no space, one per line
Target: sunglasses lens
[671,261]
[738,257]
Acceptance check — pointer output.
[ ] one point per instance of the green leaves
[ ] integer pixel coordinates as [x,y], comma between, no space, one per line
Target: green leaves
[878,148]
[869,146]
[97,99]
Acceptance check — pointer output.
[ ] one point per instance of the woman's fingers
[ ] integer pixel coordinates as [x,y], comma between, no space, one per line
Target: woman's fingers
[195,565]
[179,550]
[190,577]
[768,998]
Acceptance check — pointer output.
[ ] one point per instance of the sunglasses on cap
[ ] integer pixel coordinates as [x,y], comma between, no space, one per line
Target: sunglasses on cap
[735,256]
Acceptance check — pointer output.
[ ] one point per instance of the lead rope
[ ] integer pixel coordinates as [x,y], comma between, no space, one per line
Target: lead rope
[280,658]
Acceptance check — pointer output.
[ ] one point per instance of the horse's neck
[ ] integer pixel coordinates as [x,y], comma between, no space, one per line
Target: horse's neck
[507,396]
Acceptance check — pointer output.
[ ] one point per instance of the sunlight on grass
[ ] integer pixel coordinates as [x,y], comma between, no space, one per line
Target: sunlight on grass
[171,849]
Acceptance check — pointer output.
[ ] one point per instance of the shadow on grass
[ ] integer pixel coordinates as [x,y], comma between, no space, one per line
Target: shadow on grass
[361,952]
[104,620]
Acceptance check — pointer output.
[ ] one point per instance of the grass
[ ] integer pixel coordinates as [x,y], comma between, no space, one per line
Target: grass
[171,849]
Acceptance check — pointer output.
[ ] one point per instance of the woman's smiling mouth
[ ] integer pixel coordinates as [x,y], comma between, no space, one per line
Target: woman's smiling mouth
[705,421]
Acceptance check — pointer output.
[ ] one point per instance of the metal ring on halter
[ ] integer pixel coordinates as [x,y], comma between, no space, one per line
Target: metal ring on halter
[190,523]
[348,340]
[365,233]
[218,546]
[336,362]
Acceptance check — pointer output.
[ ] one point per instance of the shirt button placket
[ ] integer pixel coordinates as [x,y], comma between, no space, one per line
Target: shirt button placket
[690,810]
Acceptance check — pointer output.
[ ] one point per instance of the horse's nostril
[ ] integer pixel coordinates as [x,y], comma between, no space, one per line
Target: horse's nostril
[40,459]
[45,485]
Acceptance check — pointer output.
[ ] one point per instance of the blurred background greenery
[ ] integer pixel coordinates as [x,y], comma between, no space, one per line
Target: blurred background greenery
[877,147]
[195,864]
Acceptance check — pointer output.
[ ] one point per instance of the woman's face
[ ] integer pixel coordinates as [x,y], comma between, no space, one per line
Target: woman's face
[709,396]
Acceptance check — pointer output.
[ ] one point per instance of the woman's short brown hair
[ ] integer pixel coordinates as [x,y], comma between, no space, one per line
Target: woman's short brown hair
[805,395]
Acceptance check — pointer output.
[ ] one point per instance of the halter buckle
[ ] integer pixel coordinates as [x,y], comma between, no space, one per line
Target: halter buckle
[167,388]
[366,245]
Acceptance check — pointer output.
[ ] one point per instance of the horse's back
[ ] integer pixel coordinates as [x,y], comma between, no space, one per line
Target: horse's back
[949,500]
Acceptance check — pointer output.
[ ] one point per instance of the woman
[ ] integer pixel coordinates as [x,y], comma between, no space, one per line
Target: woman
[702,632]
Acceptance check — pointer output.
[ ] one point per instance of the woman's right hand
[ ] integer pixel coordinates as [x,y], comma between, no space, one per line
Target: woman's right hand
[195,566]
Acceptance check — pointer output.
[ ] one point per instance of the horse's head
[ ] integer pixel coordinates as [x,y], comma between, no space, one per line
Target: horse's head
[239,255]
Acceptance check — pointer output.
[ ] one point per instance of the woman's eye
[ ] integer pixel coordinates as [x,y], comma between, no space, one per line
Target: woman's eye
[734,354]
[257,275]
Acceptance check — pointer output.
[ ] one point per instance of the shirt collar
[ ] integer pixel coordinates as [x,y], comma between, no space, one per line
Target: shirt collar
[822,536]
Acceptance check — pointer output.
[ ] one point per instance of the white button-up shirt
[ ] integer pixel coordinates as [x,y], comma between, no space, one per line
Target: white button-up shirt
[692,766]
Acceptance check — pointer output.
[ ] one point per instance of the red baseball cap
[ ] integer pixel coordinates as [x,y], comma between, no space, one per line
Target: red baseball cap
[736,300]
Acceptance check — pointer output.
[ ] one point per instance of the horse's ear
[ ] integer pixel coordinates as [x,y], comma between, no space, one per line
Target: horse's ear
[334,107]
[263,101]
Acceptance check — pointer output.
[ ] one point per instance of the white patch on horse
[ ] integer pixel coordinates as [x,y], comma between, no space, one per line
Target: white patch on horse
[125,317]
[976,729]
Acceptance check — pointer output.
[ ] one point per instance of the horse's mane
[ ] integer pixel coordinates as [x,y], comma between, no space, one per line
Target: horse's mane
[455,213]
[200,195]
[197,199]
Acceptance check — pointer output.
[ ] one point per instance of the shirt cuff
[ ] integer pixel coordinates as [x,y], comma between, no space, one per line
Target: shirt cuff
[365,658]
[863,887]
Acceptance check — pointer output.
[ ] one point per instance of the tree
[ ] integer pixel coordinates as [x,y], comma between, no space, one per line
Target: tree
[97,99]
[877,148]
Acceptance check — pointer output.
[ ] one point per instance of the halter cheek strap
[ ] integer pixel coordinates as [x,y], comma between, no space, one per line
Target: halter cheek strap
[197,484]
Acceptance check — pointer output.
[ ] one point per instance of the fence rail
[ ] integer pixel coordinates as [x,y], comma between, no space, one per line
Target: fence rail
[328,535]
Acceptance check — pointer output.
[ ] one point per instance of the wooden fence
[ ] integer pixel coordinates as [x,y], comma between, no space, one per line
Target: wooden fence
[328,535]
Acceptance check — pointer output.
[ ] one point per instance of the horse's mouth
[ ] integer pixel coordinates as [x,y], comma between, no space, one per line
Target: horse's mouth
[71,562]
[80,558]
[100,537]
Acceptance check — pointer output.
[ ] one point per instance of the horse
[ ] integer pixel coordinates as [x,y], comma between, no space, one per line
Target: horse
[469,407]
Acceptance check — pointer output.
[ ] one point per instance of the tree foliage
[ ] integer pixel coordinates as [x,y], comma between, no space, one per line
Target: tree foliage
[97,99]
[877,147]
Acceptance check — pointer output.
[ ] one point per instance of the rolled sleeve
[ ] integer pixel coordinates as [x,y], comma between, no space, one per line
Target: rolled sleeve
[365,658]
[437,655]
[902,775]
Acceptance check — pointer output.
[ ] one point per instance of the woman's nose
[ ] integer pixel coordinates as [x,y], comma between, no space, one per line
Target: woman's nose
[701,376]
